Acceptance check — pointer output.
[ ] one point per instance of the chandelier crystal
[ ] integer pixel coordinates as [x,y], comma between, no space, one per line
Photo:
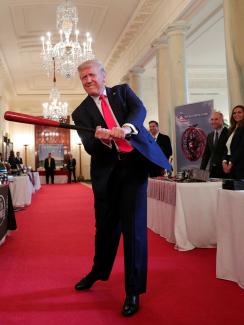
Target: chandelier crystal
[55,109]
[68,52]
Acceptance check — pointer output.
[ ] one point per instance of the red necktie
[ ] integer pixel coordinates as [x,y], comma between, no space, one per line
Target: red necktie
[123,145]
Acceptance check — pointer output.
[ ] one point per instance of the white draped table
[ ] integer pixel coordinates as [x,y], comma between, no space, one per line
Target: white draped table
[230,234]
[21,190]
[161,196]
[37,181]
[60,177]
[183,213]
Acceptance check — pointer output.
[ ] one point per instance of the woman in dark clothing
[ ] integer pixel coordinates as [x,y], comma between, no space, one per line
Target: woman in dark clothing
[233,164]
[12,160]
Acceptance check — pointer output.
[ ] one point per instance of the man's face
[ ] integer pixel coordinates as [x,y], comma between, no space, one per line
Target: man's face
[153,128]
[216,121]
[93,80]
[49,155]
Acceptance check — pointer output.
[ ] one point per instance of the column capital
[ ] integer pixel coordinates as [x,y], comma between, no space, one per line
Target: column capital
[126,78]
[160,42]
[137,70]
[178,27]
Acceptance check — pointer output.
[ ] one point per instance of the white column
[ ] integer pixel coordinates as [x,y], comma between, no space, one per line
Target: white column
[233,18]
[176,40]
[177,66]
[164,86]
[135,80]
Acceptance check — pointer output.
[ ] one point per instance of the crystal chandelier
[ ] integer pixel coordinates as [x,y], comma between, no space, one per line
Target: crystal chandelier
[68,53]
[55,109]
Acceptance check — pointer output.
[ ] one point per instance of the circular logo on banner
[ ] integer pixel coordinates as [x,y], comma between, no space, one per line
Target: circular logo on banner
[2,209]
[193,143]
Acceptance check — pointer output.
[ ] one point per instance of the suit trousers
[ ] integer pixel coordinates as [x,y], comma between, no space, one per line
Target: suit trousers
[49,172]
[71,172]
[123,209]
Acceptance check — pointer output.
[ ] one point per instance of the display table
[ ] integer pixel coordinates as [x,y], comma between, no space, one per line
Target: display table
[230,234]
[7,216]
[21,190]
[184,213]
[161,196]
[37,181]
[60,176]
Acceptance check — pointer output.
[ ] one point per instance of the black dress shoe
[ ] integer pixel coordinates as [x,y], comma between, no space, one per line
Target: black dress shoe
[131,305]
[86,283]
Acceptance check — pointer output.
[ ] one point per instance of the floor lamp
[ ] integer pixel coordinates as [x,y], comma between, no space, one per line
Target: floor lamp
[81,177]
[26,145]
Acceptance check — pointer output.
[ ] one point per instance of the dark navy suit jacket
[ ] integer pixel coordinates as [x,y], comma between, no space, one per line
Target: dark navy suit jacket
[164,143]
[212,153]
[127,108]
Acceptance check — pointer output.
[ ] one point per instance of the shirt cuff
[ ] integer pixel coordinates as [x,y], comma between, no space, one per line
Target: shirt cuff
[133,129]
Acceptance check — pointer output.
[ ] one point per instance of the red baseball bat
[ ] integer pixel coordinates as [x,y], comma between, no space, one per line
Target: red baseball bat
[29,119]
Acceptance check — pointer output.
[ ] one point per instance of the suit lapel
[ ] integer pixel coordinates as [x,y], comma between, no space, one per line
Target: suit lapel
[212,139]
[94,111]
[115,104]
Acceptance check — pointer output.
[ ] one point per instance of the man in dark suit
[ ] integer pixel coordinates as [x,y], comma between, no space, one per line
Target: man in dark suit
[215,147]
[164,143]
[119,172]
[71,164]
[18,159]
[49,165]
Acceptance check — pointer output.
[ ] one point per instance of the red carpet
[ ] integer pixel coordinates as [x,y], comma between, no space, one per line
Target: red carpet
[53,249]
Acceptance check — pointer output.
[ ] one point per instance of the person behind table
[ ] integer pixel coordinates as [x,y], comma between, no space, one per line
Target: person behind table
[71,164]
[12,160]
[1,157]
[49,165]
[215,146]
[164,143]
[18,159]
[119,173]
[233,163]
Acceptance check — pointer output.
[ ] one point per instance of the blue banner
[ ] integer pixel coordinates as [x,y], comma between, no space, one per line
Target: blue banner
[57,151]
[192,127]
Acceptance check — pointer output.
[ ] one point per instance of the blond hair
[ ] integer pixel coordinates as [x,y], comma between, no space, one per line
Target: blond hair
[91,63]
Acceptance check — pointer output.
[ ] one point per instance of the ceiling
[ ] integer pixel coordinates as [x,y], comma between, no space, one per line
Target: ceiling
[23,22]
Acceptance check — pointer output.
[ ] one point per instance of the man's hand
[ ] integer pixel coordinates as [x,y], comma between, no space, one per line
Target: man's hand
[227,167]
[102,134]
[116,133]
[120,133]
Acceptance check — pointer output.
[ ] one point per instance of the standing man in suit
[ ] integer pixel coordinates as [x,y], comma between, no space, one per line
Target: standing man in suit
[71,163]
[119,172]
[164,143]
[215,146]
[49,165]
[19,160]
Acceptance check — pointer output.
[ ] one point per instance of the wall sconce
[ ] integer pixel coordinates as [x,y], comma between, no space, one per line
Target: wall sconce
[81,177]
[26,145]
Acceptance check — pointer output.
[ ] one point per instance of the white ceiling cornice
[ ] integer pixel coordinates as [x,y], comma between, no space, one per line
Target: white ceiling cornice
[5,77]
[142,13]
[164,13]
